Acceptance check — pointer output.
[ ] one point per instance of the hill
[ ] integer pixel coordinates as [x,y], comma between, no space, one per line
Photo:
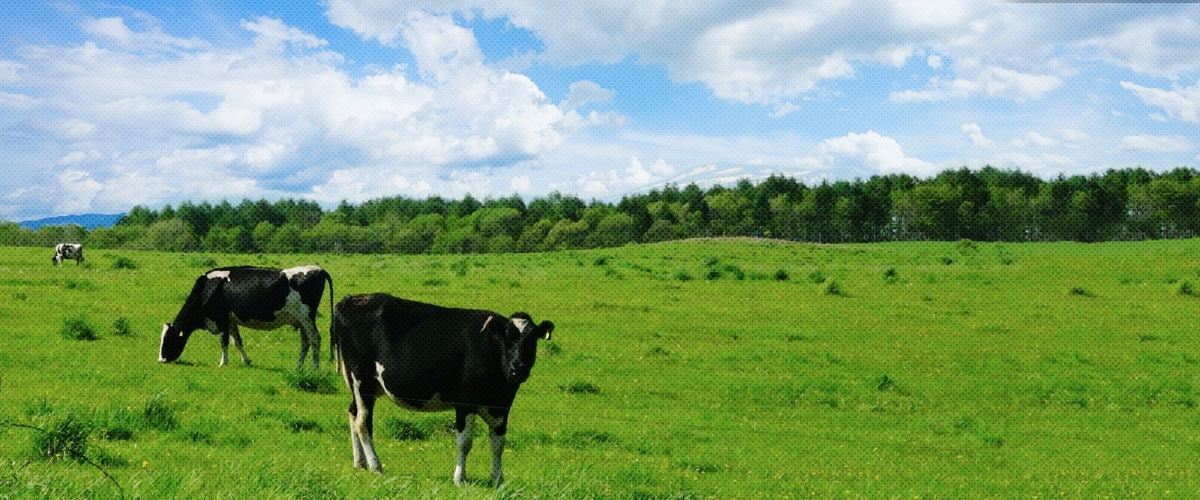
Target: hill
[89,221]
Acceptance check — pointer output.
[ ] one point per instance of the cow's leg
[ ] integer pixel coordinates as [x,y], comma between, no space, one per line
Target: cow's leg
[498,426]
[224,348]
[237,341]
[361,428]
[464,423]
[310,337]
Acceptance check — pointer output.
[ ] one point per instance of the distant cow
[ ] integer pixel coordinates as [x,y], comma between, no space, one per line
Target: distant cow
[254,297]
[430,358]
[67,251]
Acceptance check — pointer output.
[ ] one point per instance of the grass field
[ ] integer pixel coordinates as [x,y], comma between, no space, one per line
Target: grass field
[698,369]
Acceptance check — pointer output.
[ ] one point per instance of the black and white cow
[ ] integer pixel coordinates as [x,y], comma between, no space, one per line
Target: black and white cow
[254,297]
[67,251]
[430,358]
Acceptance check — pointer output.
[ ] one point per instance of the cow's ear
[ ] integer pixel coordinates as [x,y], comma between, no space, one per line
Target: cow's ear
[547,327]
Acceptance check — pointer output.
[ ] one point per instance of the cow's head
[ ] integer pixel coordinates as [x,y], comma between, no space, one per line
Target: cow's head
[173,341]
[518,337]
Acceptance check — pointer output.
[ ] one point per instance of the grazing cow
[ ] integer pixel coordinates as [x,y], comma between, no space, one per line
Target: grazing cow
[430,358]
[67,251]
[254,297]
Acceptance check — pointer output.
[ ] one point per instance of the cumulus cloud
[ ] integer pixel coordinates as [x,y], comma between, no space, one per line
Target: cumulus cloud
[583,92]
[992,81]
[977,138]
[1161,144]
[1180,103]
[275,117]
[876,152]
[636,175]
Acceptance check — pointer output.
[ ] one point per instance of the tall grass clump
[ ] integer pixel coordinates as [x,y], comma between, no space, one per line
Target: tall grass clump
[158,415]
[121,328]
[833,289]
[312,381]
[77,328]
[124,263]
[64,436]
[1185,288]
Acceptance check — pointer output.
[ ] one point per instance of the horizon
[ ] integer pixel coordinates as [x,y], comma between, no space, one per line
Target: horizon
[357,100]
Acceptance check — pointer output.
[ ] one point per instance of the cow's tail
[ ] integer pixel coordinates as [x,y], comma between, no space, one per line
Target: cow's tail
[334,345]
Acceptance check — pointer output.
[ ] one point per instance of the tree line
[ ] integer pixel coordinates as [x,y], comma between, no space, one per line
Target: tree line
[988,204]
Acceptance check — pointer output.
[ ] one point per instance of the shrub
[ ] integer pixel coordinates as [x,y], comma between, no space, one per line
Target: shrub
[890,275]
[832,288]
[77,328]
[781,275]
[683,276]
[712,275]
[817,277]
[735,271]
[1185,288]
[1078,291]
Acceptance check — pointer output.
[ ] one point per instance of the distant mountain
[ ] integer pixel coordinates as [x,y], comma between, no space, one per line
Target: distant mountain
[89,221]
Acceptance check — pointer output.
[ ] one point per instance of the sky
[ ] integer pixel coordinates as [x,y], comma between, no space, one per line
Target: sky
[108,105]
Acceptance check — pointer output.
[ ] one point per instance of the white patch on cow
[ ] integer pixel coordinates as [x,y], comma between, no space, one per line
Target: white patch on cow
[521,324]
[217,275]
[463,440]
[289,272]
[294,312]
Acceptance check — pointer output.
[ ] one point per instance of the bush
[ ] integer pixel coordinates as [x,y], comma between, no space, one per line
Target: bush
[832,288]
[77,328]
[817,277]
[1185,288]
[781,275]
[683,276]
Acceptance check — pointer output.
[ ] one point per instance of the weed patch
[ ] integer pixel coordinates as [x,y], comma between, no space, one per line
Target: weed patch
[312,381]
[77,328]
[1185,289]
[124,263]
[580,387]
[120,327]
[64,436]
[158,415]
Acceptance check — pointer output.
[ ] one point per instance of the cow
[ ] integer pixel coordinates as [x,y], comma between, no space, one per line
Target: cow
[430,358]
[254,297]
[67,251]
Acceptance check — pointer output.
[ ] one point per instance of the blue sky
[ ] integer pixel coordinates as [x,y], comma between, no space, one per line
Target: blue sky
[104,105]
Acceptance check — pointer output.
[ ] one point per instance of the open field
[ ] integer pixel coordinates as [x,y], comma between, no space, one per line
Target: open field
[697,369]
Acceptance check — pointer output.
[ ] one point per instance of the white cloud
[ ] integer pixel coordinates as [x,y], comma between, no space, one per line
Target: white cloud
[520,184]
[1162,45]
[284,116]
[1161,144]
[636,176]
[1074,135]
[583,92]
[992,81]
[934,61]
[1040,140]
[871,150]
[977,138]
[1180,103]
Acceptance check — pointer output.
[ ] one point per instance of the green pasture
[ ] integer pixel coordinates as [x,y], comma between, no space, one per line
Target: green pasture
[695,369]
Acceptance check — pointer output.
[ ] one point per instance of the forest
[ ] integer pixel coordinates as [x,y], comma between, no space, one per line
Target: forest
[987,204]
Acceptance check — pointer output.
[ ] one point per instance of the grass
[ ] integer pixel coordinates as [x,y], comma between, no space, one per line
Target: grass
[984,376]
